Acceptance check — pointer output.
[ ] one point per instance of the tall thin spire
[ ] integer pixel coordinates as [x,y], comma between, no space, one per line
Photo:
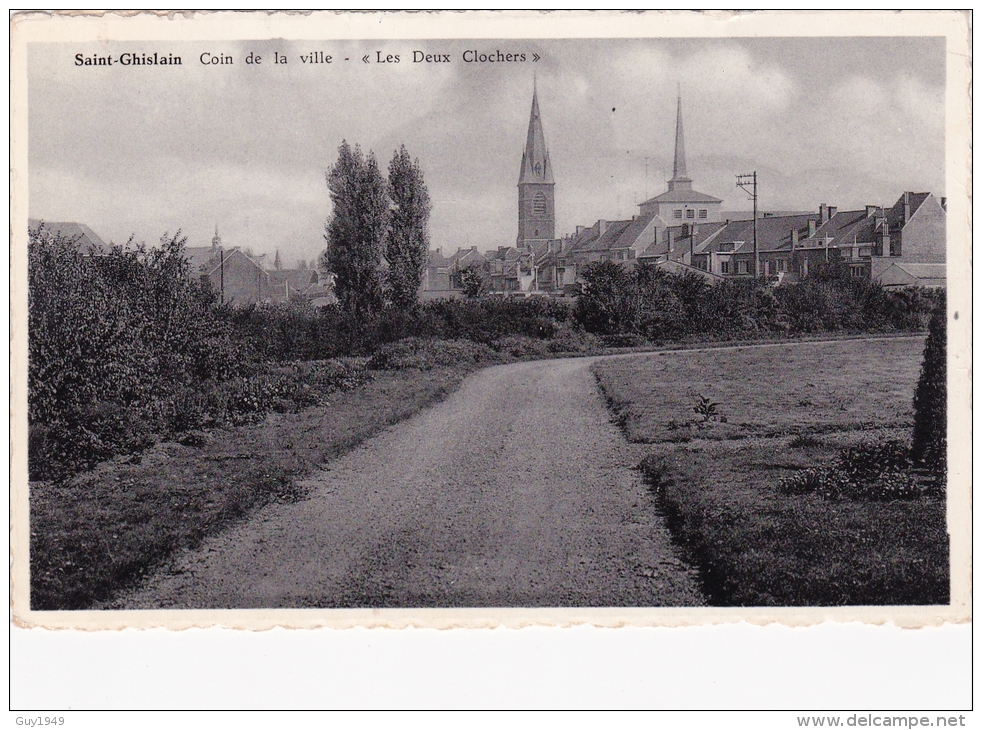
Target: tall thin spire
[536,167]
[679,180]
[678,171]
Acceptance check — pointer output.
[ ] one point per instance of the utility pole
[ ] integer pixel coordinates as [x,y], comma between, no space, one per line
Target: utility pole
[221,255]
[748,184]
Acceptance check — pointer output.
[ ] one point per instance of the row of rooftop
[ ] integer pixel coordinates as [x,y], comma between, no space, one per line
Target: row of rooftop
[901,245]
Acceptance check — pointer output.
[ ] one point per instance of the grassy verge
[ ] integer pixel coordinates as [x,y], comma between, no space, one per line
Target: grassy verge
[100,530]
[717,475]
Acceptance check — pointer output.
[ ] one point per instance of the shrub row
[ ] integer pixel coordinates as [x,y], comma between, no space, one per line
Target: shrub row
[875,472]
[648,303]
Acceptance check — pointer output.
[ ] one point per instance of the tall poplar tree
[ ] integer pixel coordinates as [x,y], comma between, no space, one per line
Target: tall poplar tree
[356,230]
[407,241]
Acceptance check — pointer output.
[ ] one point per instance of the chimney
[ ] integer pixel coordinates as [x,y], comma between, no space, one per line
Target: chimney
[871,210]
[906,207]
[823,212]
[883,234]
[794,237]
[811,228]
[580,229]
[832,211]
[601,227]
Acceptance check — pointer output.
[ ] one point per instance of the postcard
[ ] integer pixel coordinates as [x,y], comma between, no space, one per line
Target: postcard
[490,319]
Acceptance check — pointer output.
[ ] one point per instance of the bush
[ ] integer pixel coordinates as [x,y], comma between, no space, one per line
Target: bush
[112,341]
[427,354]
[867,472]
[930,439]
[649,304]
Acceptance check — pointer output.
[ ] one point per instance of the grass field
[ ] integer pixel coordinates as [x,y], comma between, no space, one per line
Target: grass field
[100,530]
[785,408]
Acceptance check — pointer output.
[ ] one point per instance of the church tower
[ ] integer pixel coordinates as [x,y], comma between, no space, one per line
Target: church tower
[536,187]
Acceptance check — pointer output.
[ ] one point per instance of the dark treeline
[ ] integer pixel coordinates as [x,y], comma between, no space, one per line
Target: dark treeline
[649,304]
[129,348]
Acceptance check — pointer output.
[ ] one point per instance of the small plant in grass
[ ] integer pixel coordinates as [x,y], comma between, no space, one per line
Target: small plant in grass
[708,410]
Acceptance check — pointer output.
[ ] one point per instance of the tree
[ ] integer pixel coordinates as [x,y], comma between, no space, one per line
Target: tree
[407,241]
[604,307]
[473,281]
[930,439]
[356,230]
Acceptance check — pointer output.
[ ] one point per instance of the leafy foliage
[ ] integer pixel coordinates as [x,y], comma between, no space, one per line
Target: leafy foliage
[474,281]
[930,440]
[112,340]
[867,472]
[647,303]
[407,240]
[356,230]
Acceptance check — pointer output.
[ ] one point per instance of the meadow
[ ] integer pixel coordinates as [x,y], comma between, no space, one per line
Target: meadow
[725,426]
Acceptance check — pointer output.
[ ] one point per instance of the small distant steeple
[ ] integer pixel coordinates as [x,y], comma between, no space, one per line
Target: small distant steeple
[277,263]
[216,242]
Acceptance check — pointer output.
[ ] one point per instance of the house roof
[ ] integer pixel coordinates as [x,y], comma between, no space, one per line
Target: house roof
[213,265]
[88,242]
[199,256]
[773,234]
[848,226]
[895,216]
[633,230]
[435,258]
[298,279]
[591,239]
[703,232]
[682,195]
[677,267]
[901,274]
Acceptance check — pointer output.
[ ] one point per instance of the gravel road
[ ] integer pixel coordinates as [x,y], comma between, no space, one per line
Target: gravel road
[515,491]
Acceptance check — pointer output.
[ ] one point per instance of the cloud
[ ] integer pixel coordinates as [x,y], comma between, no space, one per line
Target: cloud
[147,151]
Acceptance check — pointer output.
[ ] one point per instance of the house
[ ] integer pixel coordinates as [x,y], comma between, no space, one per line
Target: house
[873,240]
[436,277]
[728,249]
[87,241]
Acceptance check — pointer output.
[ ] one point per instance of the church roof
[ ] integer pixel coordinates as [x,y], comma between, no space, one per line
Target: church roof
[536,166]
[683,196]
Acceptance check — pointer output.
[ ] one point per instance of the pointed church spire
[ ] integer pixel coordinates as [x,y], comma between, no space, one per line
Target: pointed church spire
[536,167]
[679,178]
[678,172]
[277,264]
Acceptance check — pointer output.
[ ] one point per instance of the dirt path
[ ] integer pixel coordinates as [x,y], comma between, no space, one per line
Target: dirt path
[515,491]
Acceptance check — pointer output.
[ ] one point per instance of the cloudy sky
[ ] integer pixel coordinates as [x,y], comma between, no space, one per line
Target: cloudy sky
[147,150]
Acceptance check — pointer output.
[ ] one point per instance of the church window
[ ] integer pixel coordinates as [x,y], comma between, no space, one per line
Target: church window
[690,214]
[539,204]
[678,213]
[703,213]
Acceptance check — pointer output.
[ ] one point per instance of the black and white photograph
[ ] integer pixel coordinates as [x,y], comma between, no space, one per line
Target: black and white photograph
[339,325]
